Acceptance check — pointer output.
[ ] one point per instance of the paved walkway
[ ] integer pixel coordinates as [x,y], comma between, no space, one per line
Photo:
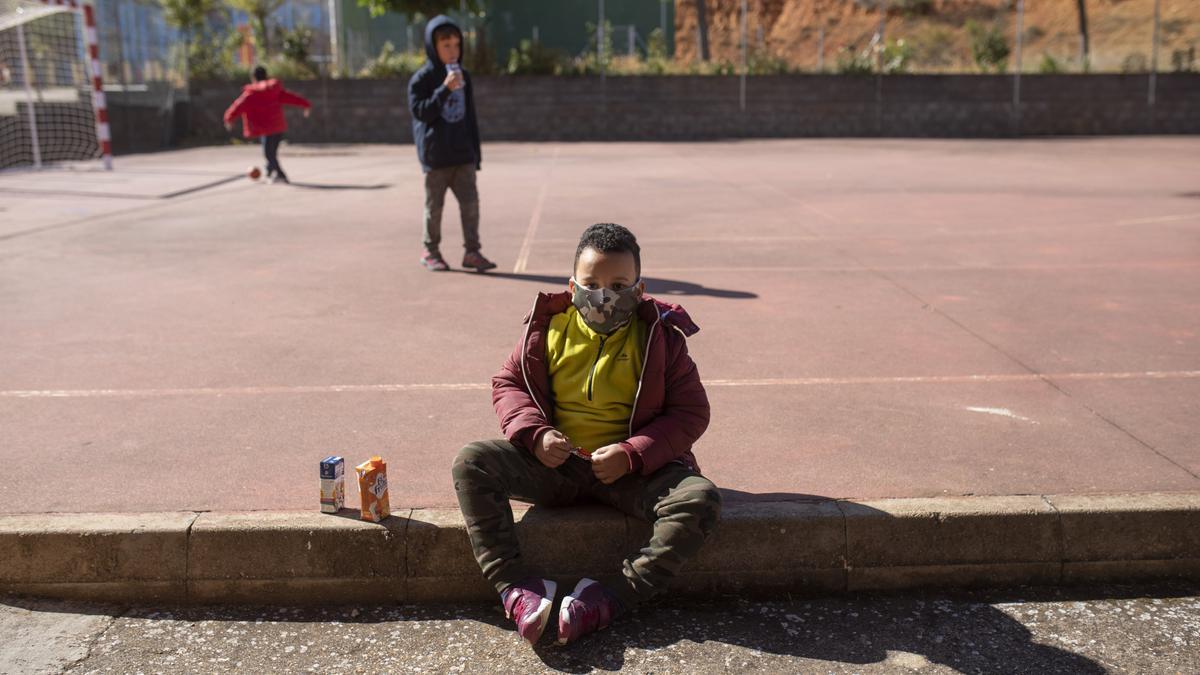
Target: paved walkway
[879,318]
[1089,630]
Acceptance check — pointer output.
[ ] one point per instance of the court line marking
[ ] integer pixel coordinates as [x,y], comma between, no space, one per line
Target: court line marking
[1158,219]
[899,236]
[536,217]
[227,178]
[1001,412]
[1149,264]
[480,386]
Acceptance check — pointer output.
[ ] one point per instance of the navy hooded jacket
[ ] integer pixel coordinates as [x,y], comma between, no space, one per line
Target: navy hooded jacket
[443,121]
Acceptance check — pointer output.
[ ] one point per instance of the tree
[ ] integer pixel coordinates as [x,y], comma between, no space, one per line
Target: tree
[412,8]
[259,10]
[702,28]
[1083,32]
[191,17]
[188,15]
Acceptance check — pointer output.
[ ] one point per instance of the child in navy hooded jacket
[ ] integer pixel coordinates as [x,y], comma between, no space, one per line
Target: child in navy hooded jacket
[442,103]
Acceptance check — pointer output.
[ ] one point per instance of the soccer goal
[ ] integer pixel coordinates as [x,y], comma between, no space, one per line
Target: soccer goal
[52,109]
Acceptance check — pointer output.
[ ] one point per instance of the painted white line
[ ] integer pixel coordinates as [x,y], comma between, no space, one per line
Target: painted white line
[1159,219]
[1148,264]
[953,379]
[536,217]
[483,386]
[1002,412]
[233,391]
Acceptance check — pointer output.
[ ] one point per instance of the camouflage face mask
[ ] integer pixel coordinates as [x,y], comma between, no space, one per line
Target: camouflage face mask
[603,309]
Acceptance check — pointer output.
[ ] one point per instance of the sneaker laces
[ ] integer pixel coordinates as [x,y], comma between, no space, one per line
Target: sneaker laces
[518,601]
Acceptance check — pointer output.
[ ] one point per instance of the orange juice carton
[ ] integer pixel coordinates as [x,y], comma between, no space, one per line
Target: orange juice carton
[333,484]
[373,488]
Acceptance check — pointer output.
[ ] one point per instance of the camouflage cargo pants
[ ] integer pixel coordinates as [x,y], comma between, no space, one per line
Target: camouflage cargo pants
[681,505]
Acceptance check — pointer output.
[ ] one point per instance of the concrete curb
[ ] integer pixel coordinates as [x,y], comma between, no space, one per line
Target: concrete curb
[422,555]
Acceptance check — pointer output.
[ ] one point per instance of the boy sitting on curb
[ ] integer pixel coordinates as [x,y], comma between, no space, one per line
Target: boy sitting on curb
[599,401]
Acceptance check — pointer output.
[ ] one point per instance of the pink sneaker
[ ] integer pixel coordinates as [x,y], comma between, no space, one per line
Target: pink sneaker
[589,608]
[434,262]
[530,603]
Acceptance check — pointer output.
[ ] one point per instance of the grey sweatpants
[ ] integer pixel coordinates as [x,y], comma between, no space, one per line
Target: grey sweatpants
[461,181]
[682,507]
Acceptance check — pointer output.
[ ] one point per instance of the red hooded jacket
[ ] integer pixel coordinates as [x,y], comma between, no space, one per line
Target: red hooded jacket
[261,107]
[670,410]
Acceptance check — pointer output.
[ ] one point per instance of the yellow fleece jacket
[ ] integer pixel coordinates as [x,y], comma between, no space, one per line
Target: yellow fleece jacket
[594,378]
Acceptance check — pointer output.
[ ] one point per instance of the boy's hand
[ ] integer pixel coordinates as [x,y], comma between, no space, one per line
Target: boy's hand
[610,463]
[307,111]
[229,126]
[454,80]
[552,449]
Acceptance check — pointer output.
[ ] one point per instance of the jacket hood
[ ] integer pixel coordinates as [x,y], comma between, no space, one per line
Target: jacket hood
[650,309]
[434,24]
[263,85]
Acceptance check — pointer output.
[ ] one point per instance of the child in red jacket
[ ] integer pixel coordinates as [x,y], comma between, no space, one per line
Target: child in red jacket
[261,109]
[599,400]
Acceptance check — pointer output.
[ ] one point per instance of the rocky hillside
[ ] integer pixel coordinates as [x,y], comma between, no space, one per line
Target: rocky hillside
[935,31]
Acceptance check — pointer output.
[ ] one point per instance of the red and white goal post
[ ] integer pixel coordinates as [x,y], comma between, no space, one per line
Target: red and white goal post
[52,105]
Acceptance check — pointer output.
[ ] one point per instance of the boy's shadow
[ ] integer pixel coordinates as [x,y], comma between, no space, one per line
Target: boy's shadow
[907,632]
[956,629]
[654,286]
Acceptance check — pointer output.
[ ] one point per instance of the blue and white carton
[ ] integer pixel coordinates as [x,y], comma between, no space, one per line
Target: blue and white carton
[333,484]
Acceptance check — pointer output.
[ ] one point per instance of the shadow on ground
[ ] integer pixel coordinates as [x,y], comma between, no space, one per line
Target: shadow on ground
[730,496]
[968,631]
[898,633]
[337,186]
[654,286]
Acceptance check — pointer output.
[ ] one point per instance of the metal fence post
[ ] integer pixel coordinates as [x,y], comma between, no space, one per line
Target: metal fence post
[745,64]
[600,40]
[1152,95]
[1020,39]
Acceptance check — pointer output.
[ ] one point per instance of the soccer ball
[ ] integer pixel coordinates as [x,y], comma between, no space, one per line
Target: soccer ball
[254,173]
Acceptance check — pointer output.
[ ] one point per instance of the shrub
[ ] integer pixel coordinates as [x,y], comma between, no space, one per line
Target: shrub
[850,61]
[935,49]
[1183,60]
[1135,63]
[1049,65]
[761,62]
[531,58]
[297,44]
[989,47]
[285,68]
[392,63]
[897,56]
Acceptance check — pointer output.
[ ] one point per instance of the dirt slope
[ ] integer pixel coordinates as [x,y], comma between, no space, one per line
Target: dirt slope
[791,30]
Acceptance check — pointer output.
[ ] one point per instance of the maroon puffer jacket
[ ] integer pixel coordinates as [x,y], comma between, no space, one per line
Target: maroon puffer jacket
[670,410]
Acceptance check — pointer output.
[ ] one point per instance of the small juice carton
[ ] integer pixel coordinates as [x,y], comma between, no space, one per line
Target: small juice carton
[333,484]
[373,488]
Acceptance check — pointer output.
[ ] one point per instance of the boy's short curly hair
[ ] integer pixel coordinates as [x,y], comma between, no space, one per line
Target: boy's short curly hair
[610,238]
[444,31]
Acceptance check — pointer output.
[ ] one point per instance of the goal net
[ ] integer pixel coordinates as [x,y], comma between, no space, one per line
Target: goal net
[47,113]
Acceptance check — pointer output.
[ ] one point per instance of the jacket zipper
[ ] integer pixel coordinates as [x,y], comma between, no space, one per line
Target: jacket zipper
[524,374]
[592,375]
[642,375]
